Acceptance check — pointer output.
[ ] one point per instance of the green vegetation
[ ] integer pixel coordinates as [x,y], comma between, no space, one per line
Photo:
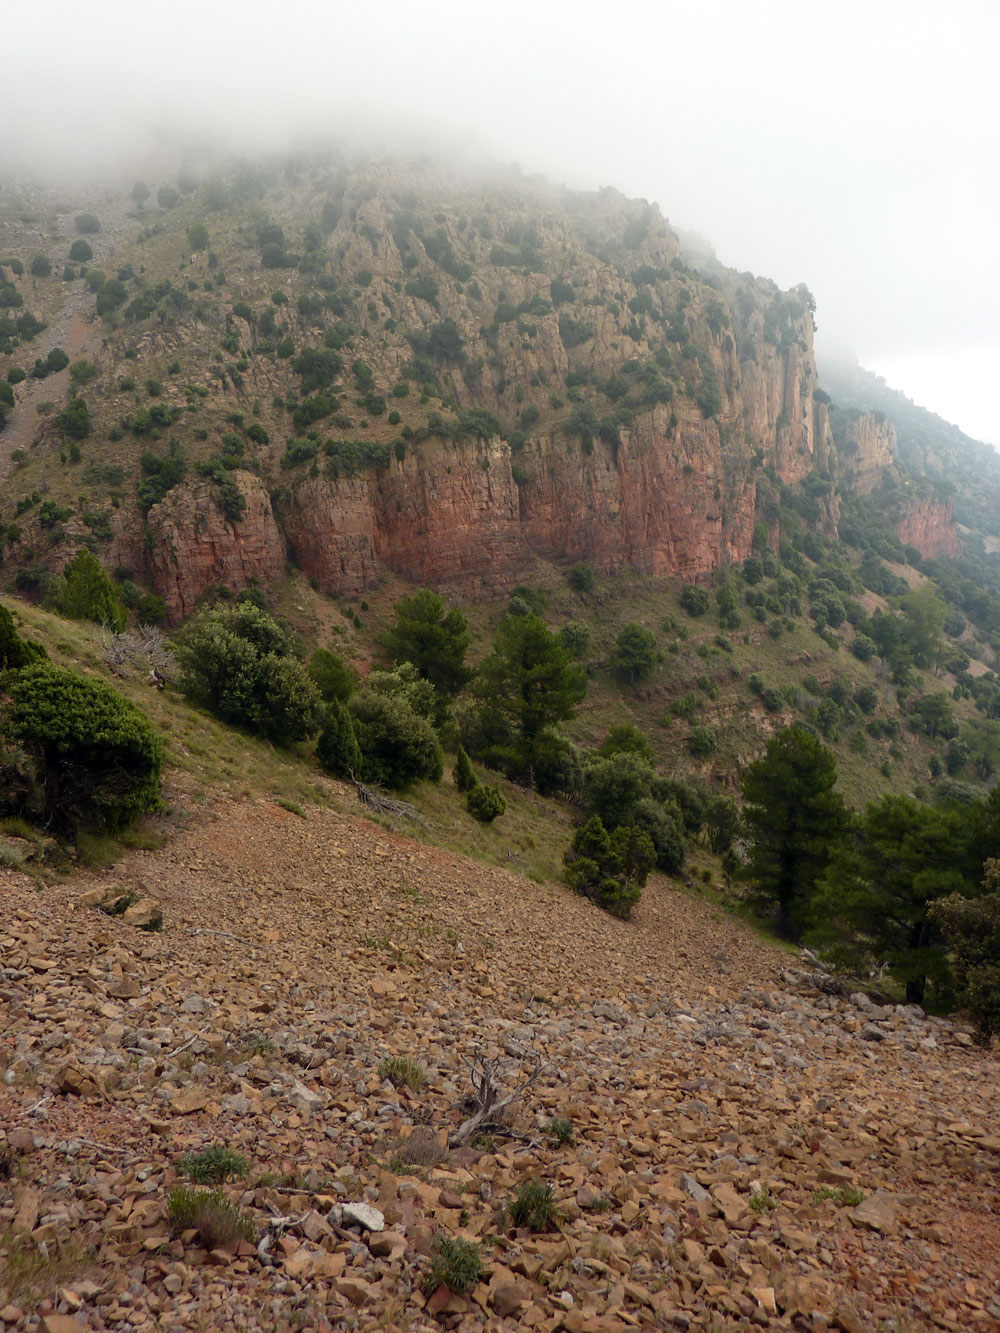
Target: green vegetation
[242,665]
[90,759]
[561,1131]
[794,819]
[844,1196]
[213,1166]
[86,593]
[610,692]
[971,928]
[525,688]
[610,869]
[533,1206]
[392,719]
[433,639]
[213,1218]
[402,1072]
[456,1264]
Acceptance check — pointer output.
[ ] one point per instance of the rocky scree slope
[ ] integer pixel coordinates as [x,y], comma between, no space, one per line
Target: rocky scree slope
[703,1072]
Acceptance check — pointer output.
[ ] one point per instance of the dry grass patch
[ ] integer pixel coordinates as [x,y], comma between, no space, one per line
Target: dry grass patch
[30,1272]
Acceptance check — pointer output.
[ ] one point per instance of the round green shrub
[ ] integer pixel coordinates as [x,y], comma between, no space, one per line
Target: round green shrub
[485,803]
[398,744]
[98,758]
[241,664]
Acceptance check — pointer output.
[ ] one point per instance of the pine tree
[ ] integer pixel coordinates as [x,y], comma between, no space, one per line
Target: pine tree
[795,820]
[337,748]
[463,773]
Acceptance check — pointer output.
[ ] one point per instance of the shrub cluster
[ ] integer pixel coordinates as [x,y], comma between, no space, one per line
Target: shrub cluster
[242,665]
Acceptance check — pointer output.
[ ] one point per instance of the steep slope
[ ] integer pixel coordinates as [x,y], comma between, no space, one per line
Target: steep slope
[962,475]
[440,377]
[698,1067]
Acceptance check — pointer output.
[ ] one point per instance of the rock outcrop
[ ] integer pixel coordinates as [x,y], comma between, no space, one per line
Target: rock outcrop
[867,452]
[929,525]
[192,545]
[538,373]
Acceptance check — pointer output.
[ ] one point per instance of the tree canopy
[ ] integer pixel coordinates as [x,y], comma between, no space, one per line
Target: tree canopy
[794,819]
[526,686]
[433,638]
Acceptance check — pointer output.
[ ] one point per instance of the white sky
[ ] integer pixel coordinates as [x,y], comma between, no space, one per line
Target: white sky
[850,145]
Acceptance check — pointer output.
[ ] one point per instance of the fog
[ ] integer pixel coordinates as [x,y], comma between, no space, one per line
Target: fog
[851,145]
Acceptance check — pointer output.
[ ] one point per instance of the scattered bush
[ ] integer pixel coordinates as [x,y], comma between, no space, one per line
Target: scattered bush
[333,677]
[485,803]
[87,224]
[694,600]
[96,755]
[87,593]
[402,1072]
[213,1166]
[702,742]
[391,717]
[463,774]
[337,746]
[533,1206]
[972,929]
[635,653]
[212,1216]
[241,664]
[581,578]
[610,869]
[457,1264]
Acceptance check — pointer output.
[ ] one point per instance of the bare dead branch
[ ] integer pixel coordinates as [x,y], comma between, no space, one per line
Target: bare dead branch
[222,934]
[386,805]
[489,1104]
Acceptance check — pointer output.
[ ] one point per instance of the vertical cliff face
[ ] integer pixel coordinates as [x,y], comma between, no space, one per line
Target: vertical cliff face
[448,515]
[867,451]
[662,498]
[330,524]
[192,546]
[929,525]
[536,373]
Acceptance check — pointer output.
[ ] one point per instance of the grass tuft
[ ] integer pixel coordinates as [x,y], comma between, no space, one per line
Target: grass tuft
[215,1220]
[402,1072]
[29,1272]
[457,1265]
[763,1201]
[533,1206]
[561,1130]
[844,1196]
[213,1166]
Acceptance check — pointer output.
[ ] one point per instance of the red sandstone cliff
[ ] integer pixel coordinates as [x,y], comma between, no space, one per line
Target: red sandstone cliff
[867,453]
[929,525]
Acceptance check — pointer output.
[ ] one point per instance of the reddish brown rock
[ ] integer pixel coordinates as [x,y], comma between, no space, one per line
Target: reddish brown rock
[929,525]
[193,545]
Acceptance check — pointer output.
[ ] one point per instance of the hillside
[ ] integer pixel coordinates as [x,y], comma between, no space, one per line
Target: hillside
[388,367]
[251,407]
[928,446]
[332,379]
[703,1075]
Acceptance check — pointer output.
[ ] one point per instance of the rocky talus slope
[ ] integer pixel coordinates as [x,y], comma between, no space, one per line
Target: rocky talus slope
[700,1069]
